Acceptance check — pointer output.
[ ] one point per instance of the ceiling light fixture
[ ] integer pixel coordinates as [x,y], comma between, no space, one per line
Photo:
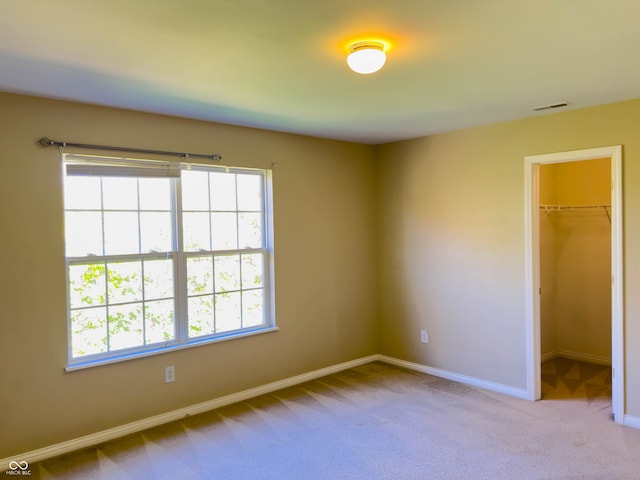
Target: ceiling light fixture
[366,57]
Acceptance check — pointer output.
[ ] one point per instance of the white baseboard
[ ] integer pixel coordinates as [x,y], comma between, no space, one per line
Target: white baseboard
[456,377]
[139,425]
[631,421]
[581,357]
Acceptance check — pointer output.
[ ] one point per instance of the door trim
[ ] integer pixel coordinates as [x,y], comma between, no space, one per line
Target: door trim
[532,268]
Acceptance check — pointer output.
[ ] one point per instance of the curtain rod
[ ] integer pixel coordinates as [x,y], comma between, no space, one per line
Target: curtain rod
[46,142]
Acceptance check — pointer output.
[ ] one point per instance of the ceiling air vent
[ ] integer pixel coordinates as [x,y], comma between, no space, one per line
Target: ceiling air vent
[551,107]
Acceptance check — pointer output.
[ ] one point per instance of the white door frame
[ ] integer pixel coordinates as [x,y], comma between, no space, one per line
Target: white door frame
[532,268]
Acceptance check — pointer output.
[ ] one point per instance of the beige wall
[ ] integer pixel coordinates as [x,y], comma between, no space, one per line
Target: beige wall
[325,216]
[575,256]
[451,252]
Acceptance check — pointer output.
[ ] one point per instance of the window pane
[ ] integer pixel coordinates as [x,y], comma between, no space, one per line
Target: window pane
[252,268]
[125,281]
[228,314]
[125,326]
[200,316]
[223,191]
[155,193]
[195,190]
[227,273]
[88,331]
[119,193]
[82,193]
[250,193]
[155,232]
[87,285]
[158,279]
[121,233]
[252,306]
[224,230]
[83,233]
[159,325]
[199,275]
[250,225]
[196,231]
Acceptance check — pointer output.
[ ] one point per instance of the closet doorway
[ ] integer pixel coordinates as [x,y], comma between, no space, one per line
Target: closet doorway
[566,297]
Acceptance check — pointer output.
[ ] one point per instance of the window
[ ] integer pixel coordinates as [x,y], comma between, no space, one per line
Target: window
[161,257]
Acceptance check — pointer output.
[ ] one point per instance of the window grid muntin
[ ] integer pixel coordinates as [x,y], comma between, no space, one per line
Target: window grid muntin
[143,301]
[263,253]
[237,212]
[180,321]
[138,212]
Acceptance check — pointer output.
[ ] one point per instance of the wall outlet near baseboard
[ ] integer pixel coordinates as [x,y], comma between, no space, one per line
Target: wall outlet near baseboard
[424,336]
[169,374]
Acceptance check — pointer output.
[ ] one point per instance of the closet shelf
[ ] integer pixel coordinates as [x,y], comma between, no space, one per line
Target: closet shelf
[547,209]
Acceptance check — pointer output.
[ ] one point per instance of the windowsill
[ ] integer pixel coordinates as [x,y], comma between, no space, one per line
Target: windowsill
[165,349]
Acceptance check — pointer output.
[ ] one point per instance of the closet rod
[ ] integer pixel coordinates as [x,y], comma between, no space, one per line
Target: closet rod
[46,142]
[564,208]
[557,208]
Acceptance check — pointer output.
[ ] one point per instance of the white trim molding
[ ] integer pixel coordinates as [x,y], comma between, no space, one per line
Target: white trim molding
[457,377]
[145,423]
[139,425]
[631,421]
[581,357]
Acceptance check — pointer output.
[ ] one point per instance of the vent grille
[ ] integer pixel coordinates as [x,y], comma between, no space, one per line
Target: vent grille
[551,107]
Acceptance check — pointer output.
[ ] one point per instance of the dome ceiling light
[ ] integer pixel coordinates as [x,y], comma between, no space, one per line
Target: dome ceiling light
[366,57]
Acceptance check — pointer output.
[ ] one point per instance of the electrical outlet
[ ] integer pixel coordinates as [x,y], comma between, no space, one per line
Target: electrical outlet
[169,374]
[424,336]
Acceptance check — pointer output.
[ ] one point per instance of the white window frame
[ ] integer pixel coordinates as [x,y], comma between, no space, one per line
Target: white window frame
[140,168]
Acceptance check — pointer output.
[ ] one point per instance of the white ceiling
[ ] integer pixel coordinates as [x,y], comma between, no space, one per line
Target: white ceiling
[280,64]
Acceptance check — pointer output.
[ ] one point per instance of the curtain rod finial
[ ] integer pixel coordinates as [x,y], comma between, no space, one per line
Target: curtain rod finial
[45,142]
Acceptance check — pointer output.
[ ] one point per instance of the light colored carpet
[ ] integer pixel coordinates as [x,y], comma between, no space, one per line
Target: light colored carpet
[372,422]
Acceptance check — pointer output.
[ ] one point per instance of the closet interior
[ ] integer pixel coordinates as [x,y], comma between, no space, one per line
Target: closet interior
[575,275]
